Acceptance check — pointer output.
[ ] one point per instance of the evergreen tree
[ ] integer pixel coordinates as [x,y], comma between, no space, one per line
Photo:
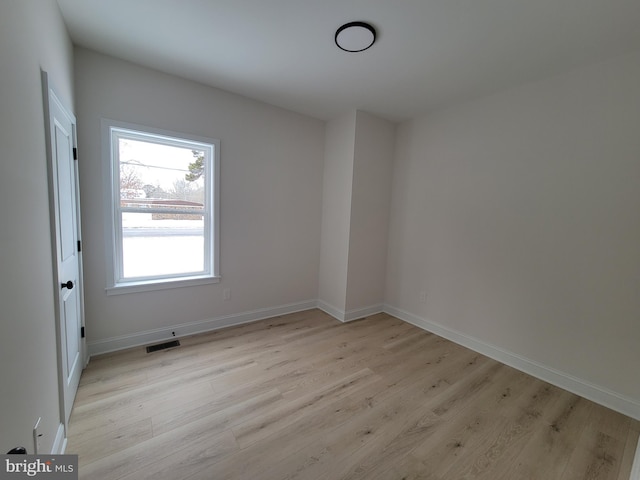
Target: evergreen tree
[196,168]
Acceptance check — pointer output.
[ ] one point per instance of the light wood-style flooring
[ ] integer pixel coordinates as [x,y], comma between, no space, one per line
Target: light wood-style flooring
[304,396]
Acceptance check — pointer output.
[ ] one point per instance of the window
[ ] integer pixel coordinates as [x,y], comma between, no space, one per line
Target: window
[164,200]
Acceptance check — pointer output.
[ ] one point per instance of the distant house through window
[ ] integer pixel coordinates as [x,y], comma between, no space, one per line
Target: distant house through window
[164,199]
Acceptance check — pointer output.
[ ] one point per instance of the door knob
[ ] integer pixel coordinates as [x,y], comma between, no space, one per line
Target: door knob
[68,285]
[17,451]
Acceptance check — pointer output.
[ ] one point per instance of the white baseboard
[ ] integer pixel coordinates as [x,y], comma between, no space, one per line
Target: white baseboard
[349,315]
[359,313]
[60,442]
[150,336]
[331,310]
[595,393]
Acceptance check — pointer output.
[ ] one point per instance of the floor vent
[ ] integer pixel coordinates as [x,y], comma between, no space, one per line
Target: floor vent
[162,346]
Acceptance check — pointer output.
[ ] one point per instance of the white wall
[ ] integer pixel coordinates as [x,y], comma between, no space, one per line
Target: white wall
[336,212]
[271,194]
[370,205]
[355,214]
[519,215]
[32,37]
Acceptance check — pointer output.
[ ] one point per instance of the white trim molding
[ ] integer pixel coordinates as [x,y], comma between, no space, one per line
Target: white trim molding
[601,395]
[349,315]
[157,335]
[331,310]
[359,313]
[60,442]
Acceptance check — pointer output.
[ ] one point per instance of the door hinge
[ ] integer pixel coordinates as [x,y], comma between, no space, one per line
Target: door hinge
[75,153]
[79,246]
[81,332]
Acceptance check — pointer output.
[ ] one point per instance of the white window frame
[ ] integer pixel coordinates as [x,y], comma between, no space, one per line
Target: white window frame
[112,131]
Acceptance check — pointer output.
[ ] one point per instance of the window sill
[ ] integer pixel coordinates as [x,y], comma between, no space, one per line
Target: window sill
[164,284]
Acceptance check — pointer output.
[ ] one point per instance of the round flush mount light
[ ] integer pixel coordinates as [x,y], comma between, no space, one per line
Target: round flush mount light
[355,36]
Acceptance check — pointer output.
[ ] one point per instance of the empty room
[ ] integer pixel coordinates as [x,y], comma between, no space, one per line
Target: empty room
[285,239]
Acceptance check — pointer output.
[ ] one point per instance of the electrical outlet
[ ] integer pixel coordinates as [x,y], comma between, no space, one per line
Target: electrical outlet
[423,297]
[37,438]
[226,293]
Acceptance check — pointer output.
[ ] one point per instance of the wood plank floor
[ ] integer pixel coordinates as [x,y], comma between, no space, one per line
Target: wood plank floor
[303,396]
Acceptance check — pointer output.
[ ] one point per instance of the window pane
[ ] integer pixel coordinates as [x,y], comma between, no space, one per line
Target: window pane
[162,244]
[165,208]
[154,175]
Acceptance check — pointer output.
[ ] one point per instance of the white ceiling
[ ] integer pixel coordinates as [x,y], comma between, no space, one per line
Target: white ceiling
[429,53]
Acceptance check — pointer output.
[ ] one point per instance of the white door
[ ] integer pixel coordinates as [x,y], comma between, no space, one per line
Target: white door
[65,233]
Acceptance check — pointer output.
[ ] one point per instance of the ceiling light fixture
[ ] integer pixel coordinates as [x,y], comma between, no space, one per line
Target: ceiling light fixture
[355,36]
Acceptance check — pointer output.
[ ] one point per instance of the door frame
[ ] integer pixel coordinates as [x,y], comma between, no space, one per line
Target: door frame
[49,95]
